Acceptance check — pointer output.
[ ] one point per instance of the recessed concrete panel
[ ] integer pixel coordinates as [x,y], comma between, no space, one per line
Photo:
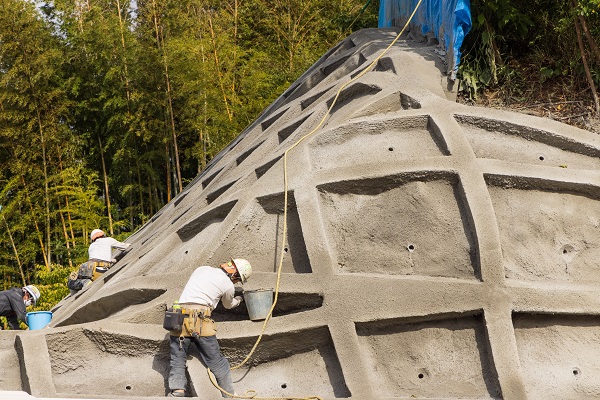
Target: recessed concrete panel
[413,227]
[548,235]
[502,141]
[378,141]
[559,355]
[93,363]
[297,363]
[438,359]
[264,220]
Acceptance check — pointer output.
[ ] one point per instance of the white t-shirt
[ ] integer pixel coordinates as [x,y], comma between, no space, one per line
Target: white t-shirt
[101,248]
[207,286]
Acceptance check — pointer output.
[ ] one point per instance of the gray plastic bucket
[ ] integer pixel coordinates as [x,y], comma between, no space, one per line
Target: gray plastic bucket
[258,303]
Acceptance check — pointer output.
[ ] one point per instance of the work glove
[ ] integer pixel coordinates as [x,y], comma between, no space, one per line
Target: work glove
[239,298]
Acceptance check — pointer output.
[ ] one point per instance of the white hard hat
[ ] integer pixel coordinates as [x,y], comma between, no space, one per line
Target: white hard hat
[34,292]
[244,268]
[96,233]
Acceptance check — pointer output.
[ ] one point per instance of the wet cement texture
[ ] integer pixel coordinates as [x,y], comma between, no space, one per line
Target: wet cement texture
[434,250]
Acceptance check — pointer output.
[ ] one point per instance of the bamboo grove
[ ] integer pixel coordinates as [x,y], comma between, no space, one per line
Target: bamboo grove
[108,108]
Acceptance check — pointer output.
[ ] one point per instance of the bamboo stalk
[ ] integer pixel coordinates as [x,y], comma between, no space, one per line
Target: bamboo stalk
[12,242]
[37,228]
[585,63]
[218,68]
[110,224]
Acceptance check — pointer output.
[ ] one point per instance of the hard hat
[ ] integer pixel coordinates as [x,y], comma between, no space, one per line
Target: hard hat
[96,233]
[243,267]
[34,292]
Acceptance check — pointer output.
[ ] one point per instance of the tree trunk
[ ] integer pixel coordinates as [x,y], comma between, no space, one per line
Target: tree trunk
[121,29]
[140,191]
[167,158]
[46,188]
[170,104]
[64,225]
[585,64]
[110,225]
[218,69]
[161,47]
[588,35]
[72,237]
[12,242]
[37,228]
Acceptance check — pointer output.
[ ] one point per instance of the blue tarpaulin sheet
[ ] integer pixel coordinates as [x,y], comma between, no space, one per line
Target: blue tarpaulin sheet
[448,21]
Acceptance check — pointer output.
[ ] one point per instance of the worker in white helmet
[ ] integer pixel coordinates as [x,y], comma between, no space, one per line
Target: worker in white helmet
[100,259]
[203,291]
[14,302]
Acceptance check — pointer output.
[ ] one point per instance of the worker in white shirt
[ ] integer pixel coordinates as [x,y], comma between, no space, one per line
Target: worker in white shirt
[100,259]
[102,246]
[202,293]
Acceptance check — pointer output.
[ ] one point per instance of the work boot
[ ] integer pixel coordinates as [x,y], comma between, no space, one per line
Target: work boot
[177,393]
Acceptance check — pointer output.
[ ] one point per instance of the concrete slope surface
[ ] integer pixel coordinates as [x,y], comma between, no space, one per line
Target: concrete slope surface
[433,250]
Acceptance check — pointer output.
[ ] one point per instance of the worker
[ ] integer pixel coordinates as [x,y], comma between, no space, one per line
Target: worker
[100,259]
[13,304]
[203,291]
[101,248]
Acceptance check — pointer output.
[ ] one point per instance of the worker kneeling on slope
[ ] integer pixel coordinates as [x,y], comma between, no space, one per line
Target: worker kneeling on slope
[100,259]
[14,303]
[191,323]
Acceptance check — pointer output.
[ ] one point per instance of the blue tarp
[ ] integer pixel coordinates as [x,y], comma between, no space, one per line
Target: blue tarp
[448,21]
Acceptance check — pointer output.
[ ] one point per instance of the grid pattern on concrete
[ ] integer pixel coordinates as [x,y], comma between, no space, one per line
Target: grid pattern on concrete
[433,250]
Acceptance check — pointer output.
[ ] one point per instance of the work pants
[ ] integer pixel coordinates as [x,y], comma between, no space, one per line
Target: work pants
[211,354]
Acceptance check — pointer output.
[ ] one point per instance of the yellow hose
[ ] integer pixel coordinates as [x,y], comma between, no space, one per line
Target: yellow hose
[251,394]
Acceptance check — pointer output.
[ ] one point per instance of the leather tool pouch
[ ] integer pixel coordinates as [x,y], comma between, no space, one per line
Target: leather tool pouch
[86,270]
[203,326]
[173,320]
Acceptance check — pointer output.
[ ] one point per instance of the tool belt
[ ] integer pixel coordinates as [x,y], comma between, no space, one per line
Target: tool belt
[91,269]
[190,321]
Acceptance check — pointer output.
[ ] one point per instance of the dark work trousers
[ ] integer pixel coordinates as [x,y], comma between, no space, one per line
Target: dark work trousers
[211,354]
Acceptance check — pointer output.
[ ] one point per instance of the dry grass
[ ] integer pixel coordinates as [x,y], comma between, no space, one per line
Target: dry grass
[558,99]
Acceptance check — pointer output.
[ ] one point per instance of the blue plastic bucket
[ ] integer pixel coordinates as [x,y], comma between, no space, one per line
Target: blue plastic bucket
[38,319]
[258,303]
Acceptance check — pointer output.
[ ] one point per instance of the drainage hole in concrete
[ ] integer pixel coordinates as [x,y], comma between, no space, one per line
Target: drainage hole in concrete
[284,386]
[391,149]
[128,387]
[576,371]
[541,158]
[185,252]
[421,376]
[411,247]
[285,249]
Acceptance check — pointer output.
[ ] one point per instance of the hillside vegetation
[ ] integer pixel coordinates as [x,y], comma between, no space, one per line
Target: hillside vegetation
[540,57]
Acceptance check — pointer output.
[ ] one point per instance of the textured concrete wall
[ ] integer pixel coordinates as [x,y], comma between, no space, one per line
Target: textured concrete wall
[434,250]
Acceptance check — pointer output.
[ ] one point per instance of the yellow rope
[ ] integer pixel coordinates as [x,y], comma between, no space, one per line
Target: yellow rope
[251,394]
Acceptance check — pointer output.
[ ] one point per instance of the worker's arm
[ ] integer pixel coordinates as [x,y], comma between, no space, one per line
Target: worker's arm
[16,303]
[230,300]
[120,245]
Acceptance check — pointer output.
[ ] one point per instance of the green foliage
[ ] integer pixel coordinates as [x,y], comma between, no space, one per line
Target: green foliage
[52,285]
[517,45]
